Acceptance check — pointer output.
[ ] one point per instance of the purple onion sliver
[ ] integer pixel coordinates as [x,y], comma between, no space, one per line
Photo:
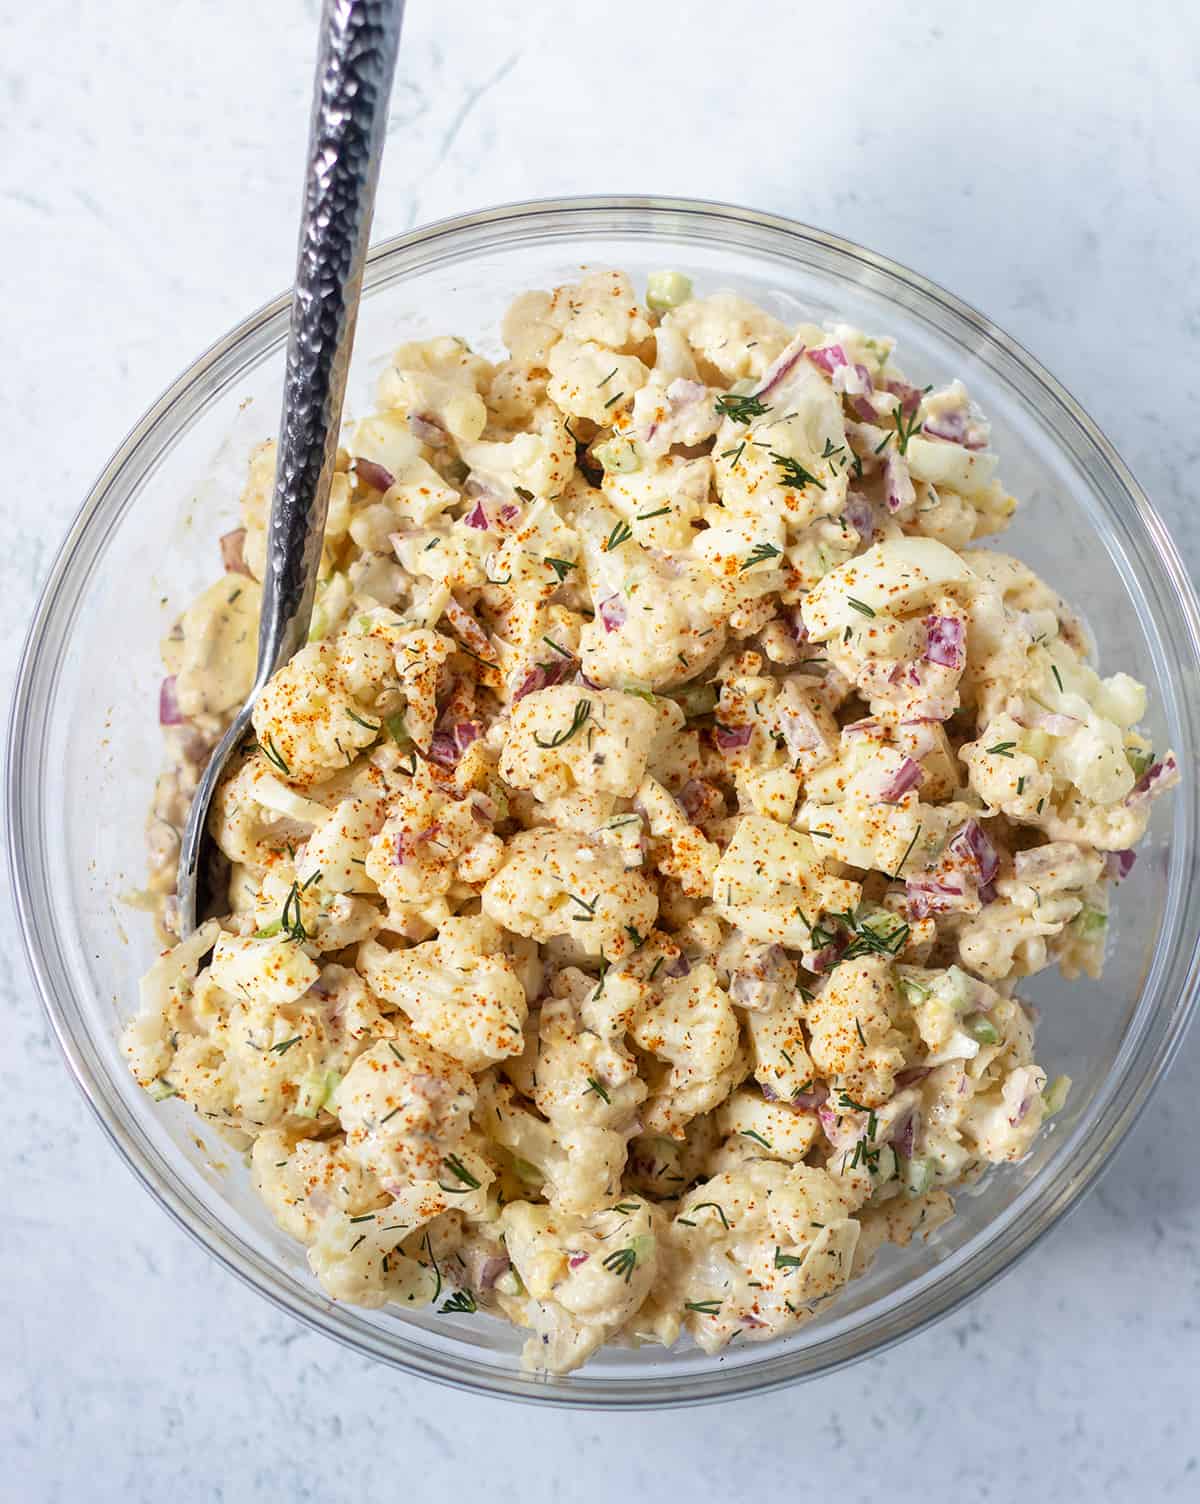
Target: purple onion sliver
[428,429]
[1119,864]
[443,750]
[478,518]
[972,844]
[732,738]
[373,475]
[612,612]
[827,358]
[782,365]
[946,641]
[492,1269]
[169,713]
[905,778]
[233,555]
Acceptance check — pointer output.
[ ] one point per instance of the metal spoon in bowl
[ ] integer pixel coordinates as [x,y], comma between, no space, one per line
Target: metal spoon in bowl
[356,58]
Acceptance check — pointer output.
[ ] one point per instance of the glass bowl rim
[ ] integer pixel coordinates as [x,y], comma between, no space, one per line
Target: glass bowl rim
[1053,1197]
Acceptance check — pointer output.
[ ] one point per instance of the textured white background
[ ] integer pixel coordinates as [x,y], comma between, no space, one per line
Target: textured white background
[1039,160]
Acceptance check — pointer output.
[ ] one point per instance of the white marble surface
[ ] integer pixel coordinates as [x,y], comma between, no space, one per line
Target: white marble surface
[1040,161]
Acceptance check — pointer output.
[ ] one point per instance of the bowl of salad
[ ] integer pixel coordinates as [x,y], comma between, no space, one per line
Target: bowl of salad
[717,884]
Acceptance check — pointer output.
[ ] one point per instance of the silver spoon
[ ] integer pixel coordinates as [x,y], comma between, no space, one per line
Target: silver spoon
[356,58]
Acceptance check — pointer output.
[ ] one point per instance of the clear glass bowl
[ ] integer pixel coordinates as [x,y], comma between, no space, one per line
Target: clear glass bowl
[84,752]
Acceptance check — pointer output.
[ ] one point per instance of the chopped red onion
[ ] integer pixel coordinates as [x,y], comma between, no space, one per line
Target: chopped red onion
[859,515]
[544,676]
[910,396]
[810,1101]
[576,1257]
[692,797]
[866,727]
[169,713]
[946,641]
[612,612]
[827,957]
[898,489]
[799,729]
[492,1269]
[1119,864]
[732,738]
[679,967]
[478,518]
[374,475]
[931,895]
[233,551]
[827,358]
[509,512]
[443,750]
[1154,781]
[972,844]
[904,1133]
[428,429]
[748,1320]
[781,367]
[798,631]
[466,732]
[906,777]
[950,426]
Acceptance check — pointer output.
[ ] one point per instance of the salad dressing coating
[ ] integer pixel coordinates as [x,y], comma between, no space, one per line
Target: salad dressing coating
[632,879]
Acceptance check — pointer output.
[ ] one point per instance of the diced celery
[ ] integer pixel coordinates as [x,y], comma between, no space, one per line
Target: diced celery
[315,1091]
[1138,760]
[886,1165]
[981,1028]
[530,1174]
[695,699]
[1054,1098]
[318,626]
[914,992]
[268,931]
[955,988]
[666,290]
[641,691]
[397,730]
[917,1174]
[160,1089]
[619,455]
[1091,923]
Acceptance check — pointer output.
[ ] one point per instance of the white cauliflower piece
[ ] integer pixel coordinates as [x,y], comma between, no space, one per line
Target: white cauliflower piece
[564,738]
[459,990]
[555,884]
[772,885]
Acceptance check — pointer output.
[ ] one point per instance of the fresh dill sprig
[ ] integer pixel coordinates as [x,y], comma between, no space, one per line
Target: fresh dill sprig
[741,409]
[583,709]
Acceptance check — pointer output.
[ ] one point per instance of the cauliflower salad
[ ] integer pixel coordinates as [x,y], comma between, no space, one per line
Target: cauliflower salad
[631,883]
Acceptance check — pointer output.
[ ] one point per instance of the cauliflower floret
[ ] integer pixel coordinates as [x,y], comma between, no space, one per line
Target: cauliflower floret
[405,1108]
[854,1041]
[693,1028]
[732,337]
[756,1248]
[308,719]
[601,307]
[303,1181]
[438,381]
[588,381]
[681,849]
[419,853]
[541,461]
[460,991]
[555,884]
[772,1128]
[773,886]
[564,738]
[585,1276]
